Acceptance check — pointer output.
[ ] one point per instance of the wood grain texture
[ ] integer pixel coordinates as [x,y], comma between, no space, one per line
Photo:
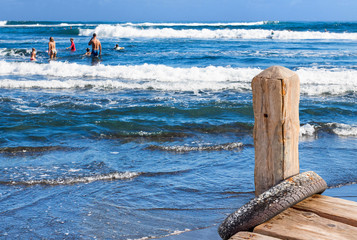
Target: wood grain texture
[276,93]
[295,224]
[332,208]
[251,236]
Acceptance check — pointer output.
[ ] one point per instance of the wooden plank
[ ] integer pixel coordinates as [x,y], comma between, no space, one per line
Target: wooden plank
[276,126]
[293,224]
[332,208]
[252,236]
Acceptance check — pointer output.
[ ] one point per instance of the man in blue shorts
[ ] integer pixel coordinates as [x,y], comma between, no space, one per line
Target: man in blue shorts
[96,46]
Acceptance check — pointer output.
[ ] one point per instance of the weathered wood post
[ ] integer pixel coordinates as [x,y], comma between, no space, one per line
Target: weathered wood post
[276,95]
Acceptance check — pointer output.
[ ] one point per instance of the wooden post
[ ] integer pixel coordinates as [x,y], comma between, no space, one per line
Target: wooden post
[276,95]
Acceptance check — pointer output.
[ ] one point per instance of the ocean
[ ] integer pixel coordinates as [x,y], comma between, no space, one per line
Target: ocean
[156,139]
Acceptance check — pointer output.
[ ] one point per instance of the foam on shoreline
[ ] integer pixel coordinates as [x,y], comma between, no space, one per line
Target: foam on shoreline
[64,75]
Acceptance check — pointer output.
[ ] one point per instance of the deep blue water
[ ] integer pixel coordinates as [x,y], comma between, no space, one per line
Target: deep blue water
[156,139]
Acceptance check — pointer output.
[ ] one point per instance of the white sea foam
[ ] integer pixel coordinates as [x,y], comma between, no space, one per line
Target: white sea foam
[219,147]
[144,24]
[146,76]
[63,75]
[315,81]
[307,130]
[110,31]
[76,180]
[74,25]
[199,24]
[342,129]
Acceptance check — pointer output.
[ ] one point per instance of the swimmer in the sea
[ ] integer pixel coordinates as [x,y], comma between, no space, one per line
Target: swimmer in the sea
[33,55]
[52,48]
[117,47]
[88,53]
[72,47]
[96,46]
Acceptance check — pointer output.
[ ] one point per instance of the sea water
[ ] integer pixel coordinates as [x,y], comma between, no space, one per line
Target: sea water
[156,139]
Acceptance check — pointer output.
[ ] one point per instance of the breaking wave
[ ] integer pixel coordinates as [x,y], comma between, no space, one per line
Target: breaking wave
[340,129]
[200,24]
[63,75]
[134,31]
[15,24]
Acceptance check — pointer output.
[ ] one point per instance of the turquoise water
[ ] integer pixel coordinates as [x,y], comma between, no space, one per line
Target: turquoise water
[156,139]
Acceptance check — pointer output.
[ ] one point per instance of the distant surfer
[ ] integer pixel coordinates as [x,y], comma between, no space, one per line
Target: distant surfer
[96,46]
[33,55]
[73,46]
[52,48]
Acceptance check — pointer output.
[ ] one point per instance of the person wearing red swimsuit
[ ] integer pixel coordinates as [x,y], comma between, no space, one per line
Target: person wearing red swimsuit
[72,47]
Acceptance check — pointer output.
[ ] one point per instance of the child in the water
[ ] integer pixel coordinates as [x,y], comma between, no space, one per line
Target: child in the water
[88,53]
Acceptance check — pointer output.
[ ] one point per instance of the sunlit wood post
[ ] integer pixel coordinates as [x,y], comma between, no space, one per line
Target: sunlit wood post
[276,95]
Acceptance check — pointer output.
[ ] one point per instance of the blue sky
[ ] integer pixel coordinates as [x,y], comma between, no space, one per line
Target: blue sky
[179,10]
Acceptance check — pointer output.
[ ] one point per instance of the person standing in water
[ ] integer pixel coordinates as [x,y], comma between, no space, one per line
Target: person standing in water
[33,55]
[72,47]
[52,48]
[96,46]
[88,53]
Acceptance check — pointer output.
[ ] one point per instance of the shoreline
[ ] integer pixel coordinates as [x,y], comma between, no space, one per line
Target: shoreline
[347,192]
